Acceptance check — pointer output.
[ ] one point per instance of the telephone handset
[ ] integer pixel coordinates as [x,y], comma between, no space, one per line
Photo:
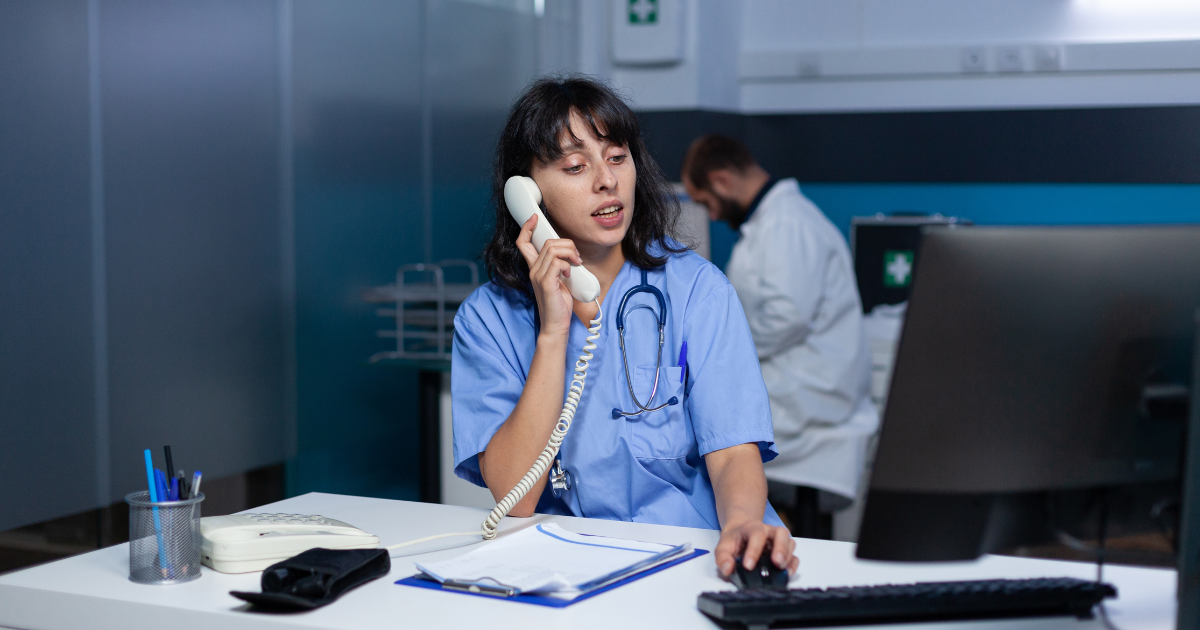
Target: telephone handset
[522,196]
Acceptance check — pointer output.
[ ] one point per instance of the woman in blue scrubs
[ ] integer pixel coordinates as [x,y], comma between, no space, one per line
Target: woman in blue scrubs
[696,463]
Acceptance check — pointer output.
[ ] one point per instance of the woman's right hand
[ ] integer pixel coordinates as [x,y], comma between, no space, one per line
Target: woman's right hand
[554,301]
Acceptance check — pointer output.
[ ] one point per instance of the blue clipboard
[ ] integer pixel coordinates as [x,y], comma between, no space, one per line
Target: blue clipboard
[553,602]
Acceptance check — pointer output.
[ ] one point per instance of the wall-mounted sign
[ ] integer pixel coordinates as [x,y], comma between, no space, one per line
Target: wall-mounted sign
[647,32]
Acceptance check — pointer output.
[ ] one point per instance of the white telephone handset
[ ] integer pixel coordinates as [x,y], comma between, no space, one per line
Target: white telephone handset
[522,197]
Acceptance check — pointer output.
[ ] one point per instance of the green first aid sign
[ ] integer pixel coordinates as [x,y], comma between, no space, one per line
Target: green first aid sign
[897,268]
[643,11]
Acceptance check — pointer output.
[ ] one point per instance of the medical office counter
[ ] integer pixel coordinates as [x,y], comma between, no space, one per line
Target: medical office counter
[93,590]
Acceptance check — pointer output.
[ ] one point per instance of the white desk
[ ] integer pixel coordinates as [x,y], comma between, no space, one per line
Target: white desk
[92,590]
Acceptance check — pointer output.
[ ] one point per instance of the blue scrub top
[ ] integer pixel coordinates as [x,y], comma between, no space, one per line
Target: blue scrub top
[647,468]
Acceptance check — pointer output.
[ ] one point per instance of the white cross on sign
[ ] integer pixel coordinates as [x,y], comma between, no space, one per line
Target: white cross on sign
[643,11]
[898,268]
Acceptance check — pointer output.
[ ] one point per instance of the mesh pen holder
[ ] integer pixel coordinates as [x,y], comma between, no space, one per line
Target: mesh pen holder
[164,539]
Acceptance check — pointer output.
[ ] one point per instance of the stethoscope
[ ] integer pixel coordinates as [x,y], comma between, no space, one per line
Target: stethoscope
[644,287]
[560,478]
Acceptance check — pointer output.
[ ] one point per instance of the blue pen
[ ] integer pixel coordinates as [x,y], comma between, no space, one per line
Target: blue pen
[164,494]
[151,478]
[173,491]
[196,484]
[683,362]
[160,482]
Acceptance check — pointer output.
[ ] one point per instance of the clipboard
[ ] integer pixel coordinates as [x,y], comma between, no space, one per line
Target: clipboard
[553,602]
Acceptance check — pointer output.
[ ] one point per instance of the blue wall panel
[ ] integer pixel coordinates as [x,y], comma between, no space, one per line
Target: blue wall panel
[46,360]
[191,160]
[358,216]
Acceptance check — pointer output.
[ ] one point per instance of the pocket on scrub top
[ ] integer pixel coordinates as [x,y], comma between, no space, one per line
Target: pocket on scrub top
[661,434]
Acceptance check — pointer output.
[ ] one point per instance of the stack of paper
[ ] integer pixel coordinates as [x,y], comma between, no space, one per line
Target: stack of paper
[548,560]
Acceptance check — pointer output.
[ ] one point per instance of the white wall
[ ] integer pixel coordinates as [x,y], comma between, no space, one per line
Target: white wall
[907,55]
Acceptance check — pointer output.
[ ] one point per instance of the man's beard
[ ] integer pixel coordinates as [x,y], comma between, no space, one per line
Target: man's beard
[730,212]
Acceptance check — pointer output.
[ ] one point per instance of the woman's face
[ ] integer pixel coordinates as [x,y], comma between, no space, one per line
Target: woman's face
[588,191]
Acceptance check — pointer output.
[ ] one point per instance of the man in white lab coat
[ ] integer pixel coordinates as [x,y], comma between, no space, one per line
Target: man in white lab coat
[794,276]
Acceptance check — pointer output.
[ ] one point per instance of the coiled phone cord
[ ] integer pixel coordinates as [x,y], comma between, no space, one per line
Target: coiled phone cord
[547,456]
[544,460]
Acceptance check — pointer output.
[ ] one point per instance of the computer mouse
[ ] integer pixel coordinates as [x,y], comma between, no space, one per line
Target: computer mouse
[764,575]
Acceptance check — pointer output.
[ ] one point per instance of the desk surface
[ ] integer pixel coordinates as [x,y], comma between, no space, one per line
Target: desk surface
[92,590]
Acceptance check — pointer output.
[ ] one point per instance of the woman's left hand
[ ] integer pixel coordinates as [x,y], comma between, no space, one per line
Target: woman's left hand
[749,539]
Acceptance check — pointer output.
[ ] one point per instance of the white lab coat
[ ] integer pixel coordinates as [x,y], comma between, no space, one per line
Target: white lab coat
[793,274]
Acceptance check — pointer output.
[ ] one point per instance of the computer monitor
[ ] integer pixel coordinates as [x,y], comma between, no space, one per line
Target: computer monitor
[1042,379]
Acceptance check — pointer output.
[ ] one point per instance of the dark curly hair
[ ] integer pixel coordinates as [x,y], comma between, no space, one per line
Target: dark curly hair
[534,130]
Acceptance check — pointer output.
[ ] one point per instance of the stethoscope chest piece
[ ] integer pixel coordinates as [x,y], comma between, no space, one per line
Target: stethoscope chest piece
[560,479]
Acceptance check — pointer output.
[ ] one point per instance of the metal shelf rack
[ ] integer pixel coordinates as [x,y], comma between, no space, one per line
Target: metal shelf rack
[422,304]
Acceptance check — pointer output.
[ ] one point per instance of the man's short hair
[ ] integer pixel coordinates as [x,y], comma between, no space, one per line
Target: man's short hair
[713,152]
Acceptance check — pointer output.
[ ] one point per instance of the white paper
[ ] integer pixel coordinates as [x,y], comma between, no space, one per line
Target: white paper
[547,559]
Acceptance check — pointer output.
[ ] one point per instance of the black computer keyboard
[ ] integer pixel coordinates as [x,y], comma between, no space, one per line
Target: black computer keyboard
[925,601]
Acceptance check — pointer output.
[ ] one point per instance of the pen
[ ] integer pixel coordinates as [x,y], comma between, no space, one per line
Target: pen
[480,589]
[173,491]
[161,483]
[196,484]
[164,494]
[683,361]
[150,477]
[170,469]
